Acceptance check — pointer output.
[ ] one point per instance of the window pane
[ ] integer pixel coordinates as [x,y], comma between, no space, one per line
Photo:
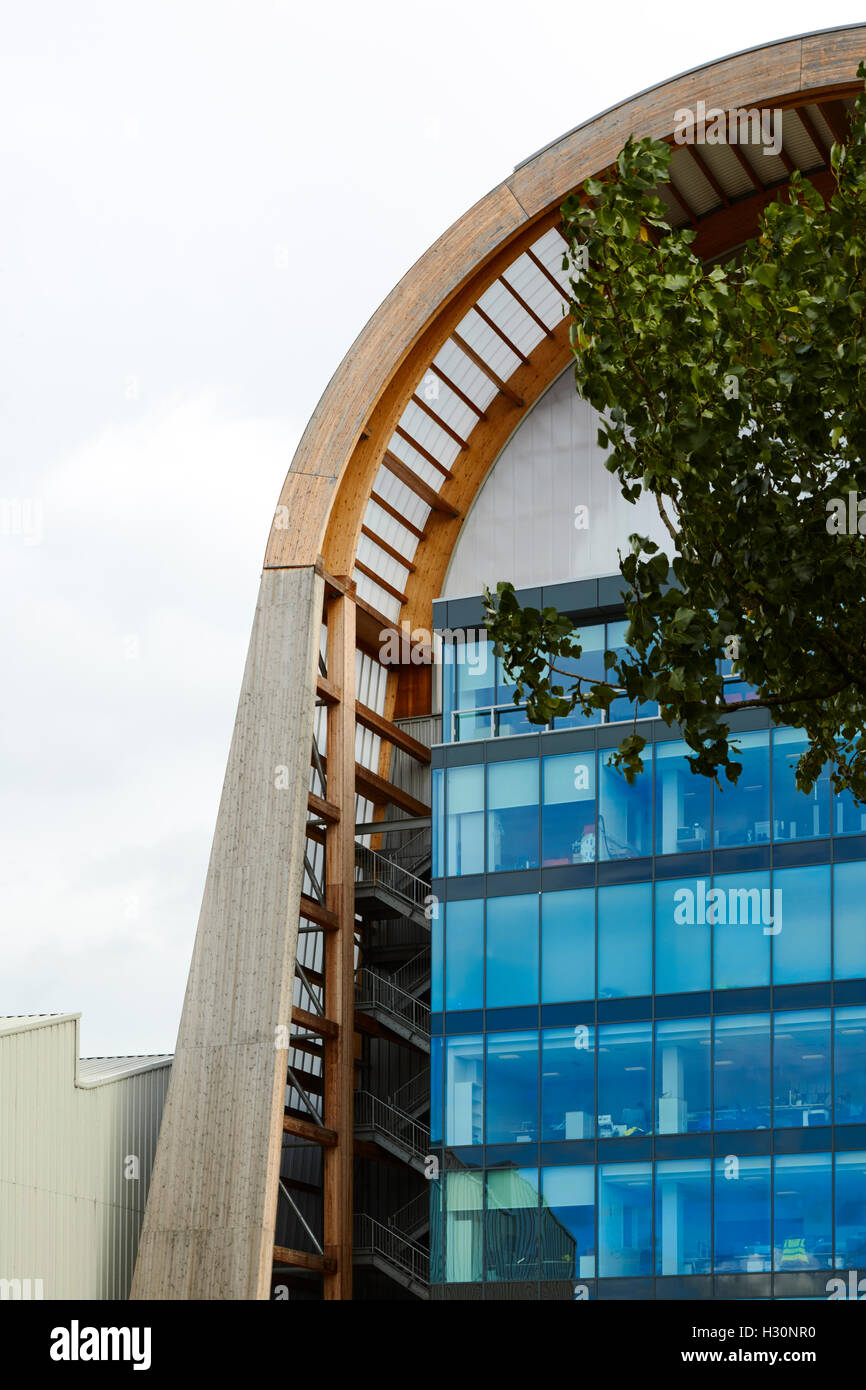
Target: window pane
[465,820]
[464,1095]
[850,1210]
[469,726]
[624,1079]
[568,1083]
[682,801]
[464,1236]
[849,816]
[802,1237]
[464,955]
[624,812]
[437,956]
[445,651]
[436,1054]
[568,945]
[801,922]
[514,721]
[437,1242]
[622,708]
[683,1076]
[624,940]
[850,1037]
[683,1216]
[682,957]
[437,822]
[796,815]
[742,911]
[624,1219]
[474,666]
[568,809]
[512,1088]
[512,950]
[741,810]
[512,815]
[801,1069]
[742,1071]
[849,920]
[512,1224]
[568,1223]
[742,1214]
[590,664]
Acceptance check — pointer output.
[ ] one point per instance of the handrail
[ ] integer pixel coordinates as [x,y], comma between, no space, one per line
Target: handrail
[374,991]
[413,1213]
[375,869]
[411,1093]
[371,1236]
[373,1112]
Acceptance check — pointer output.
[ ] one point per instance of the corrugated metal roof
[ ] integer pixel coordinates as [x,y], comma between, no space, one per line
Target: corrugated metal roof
[94,1069]
[14,1023]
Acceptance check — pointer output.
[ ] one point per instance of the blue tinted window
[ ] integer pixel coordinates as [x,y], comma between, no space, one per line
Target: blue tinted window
[512,1088]
[436,1051]
[437,823]
[512,1224]
[742,1214]
[568,1223]
[683,1076]
[624,940]
[850,1210]
[741,810]
[741,1068]
[464,955]
[464,1232]
[801,940]
[437,955]
[512,950]
[568,945]
[622,708]
[568,809]
[797,815]
[849,816]
[741,907]
[849,1040]
[447,669]
[682,955]
[465,824]
[802,1197]
[683,1227]
[624,812]
[624,1220]
[589,664]
[849,920]
[624,1079]
[474,668]
[801,1068]
[472,726]
[464,1093]
[512,815]
[682,802]
[568,1083]
[514,721]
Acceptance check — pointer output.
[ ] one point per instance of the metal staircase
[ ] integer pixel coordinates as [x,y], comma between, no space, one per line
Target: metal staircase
[393,1254]
[383,889]
[395,1132]
[393,1008]
[413,1097]
[413,1218]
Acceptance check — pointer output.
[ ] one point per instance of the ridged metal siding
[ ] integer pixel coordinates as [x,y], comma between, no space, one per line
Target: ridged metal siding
[68,1215]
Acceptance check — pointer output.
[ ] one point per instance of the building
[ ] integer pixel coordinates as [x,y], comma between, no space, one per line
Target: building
[76,1151]
[617,1103]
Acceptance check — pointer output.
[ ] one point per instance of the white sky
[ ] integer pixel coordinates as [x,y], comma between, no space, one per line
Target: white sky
[202,205]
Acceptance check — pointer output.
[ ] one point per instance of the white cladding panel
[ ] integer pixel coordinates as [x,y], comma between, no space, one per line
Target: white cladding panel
[522,524]
[70,1207]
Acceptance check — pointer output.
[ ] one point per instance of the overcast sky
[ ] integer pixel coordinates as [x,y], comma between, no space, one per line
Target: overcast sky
[202,205]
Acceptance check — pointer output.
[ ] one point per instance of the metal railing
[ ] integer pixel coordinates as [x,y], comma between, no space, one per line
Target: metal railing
[415,972]
[373,991]
[412,1094]
[371,1237]
[412,1215]
[374,870]
[371,1112]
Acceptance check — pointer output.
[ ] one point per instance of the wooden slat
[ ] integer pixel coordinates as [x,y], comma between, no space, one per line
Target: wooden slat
[325,810]
[461,395]
[314,1023]
[315,912]
[327,693]
[488,371]
[381,793]
[302,1259]
[527,308]
[437,419]
[813,133]
[425,453]
[388,549]
[382,583]
[494,326]
[678,197]
[745,166]
[378,724]
[836,116]
[539,264]
[417,485]
[709,175]
[398,516]
[306,1129]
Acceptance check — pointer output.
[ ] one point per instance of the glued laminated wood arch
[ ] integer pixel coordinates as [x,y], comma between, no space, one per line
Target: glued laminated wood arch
[210,1222]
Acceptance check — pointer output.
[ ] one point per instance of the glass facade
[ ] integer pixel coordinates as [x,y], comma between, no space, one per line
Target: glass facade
[649,1012]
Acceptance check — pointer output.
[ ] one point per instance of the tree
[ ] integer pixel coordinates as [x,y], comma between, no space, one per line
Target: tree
[735,395]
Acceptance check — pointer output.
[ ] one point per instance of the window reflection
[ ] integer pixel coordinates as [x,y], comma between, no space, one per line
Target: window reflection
[464,955]
[465,820]
[802,1201]
[464,1090]
[568,945]
[568,809]
[512,1088]
[512,815]
[683,1234]
[741,1066]
[801,1069]
[624,940]
[624,812]
[624,1079]
[511,1250]
[797,815]
[568,1083]
[568,1223]
[512,950]
[849,1043]
[742,1214]
[464,1235]
[682,1063]
[624,1219]
[741,810]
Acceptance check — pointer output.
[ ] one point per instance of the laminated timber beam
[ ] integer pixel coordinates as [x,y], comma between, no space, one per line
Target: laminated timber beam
[303,1259]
